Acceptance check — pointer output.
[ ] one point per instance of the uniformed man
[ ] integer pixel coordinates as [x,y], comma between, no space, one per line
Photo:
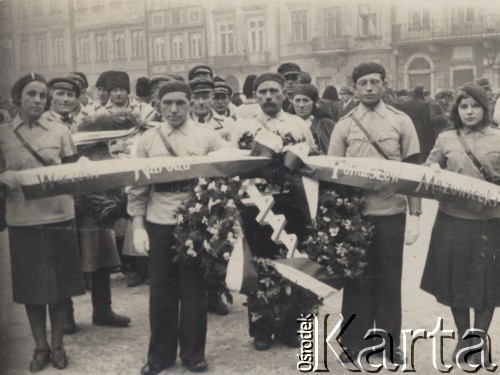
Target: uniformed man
[222,100]
[293,77]
[200,71]
[376,300]
[201,108]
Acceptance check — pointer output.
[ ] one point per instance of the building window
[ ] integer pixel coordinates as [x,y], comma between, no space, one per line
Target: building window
[462,53]
[158,48]
[55,6]
[157,19]
[299,25]
[420,18]
[25,53]
[256,34]
[333,18]
[41,51]
[37,8]
[175,17]
[101,47]
[138,43]
[58,50]
[463,14]
[83,53]
[367,20]
[119,45]
[194,16]
[195,42]
[177,53]
[225,31]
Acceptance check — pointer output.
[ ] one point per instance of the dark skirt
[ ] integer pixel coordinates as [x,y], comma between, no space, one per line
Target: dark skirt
[45,263]
[462,267]
[97,245]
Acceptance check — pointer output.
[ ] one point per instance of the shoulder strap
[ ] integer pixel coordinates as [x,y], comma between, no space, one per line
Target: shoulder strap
[485,172]
[28,147]
[370,138]
[167,145]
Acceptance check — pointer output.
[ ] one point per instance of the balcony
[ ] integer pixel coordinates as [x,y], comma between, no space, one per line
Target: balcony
[447,30]
[330,44]
[240,60]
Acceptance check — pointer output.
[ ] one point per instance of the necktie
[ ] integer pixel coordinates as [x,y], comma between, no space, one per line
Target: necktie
[66,119]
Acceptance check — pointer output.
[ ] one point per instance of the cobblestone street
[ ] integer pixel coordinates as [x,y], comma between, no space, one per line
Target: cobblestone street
[98,350]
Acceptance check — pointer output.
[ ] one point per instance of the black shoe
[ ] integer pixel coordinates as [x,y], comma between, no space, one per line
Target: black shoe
[217,305]
[110,319]
[40,359]
[135,279]
[59,358]
[398,357]
[150,369]
[197,367]
[262,343]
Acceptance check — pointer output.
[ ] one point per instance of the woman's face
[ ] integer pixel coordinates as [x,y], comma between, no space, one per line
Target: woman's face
[303,105]
[471,113]
[33,99]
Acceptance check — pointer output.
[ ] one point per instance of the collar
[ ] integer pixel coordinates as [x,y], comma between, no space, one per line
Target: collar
[379,109]
[206,118]
[280,116]
[477,129]
[17,122]
[168,129]
[250,101]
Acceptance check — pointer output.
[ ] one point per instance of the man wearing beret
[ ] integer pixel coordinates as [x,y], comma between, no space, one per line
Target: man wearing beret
[201,108]
[64,94]
[118,86]
[293,76]
[178,295]
[376,300]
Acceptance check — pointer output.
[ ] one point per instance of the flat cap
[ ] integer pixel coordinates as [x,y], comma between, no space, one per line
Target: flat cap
[367,68]
[65,84]
[222,87]
[199,69]
[268,76]
[289,68]
[201,85]
[347,90]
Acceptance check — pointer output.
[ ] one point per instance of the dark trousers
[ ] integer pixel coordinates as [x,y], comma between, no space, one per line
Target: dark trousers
[100,290]
[377,300]
[173,284]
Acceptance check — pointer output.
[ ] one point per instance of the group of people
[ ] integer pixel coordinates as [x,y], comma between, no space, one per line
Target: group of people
[51,246]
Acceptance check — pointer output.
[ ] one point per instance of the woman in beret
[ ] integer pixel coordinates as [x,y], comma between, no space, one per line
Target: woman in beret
[462,269]
[305,99]
[46,268]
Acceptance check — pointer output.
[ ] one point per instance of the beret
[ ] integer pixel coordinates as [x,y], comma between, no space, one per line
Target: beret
[222,87]
[173,86]
[83,77]
[201,85]
[346,90]
[199,69]
[367,68]
[308,90]
[475,91]
[115,79]
[17,89]
[65,84]
[248,85]
[268,76]
[288,68]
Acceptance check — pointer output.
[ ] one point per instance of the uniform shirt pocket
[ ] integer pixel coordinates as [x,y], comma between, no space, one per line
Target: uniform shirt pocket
[456,158]
[389,143]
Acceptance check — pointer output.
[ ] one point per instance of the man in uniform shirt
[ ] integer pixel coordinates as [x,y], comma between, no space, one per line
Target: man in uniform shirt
[222,100]
[152,209]
[64,94]
[377,299]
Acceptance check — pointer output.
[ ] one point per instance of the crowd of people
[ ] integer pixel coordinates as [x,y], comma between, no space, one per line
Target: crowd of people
[59,246]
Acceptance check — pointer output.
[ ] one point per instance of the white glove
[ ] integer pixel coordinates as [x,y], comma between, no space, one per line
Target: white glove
[141,241]
[9,179]
[412,229]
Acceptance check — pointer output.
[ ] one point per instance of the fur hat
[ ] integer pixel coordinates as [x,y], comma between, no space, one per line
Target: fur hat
[17,89]
[367,68]
[101,80]
[116,79]
[142,87]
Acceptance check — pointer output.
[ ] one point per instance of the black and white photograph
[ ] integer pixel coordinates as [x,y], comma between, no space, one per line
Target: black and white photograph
[249,187]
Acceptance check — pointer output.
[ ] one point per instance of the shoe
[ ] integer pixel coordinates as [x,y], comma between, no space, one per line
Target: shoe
[40,359]
[217,305]
[197,367]
[110,319]
[135,279]
[262,343]
[59,359]
[398,357]
[150,369]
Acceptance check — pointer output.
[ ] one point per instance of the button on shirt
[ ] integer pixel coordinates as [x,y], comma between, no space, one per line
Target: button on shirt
[52,141]
[283,123]
[187,140]
[396,135]
[448,152]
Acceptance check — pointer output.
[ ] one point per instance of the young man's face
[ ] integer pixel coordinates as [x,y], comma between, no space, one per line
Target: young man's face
[174,108]
[370,88]
[102,95]
[201,103]
[63,101]
[118,96]
[291,82]
[270,97]
[220,103]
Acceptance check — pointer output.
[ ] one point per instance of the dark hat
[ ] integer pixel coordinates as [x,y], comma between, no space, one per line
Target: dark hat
[268,76]
[101,80]
[78,79]
[330,93]
[402,92]
[174,86]
[83,77]
[17,89]
[475,91]
[248,85]
[418,91]
[222,87]
[199,69]
[306,78]
[445,93]
[346,90]
[201,85]
[65,84]
[160,79]
[367,68]
[288,68]
[483,82]
[115,79]
[218,79]
[142,87]
[308,90]
[176,76]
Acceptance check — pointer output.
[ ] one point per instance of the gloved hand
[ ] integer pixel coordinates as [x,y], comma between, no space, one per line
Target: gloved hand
[412,229]
[141,241]
[9,179]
